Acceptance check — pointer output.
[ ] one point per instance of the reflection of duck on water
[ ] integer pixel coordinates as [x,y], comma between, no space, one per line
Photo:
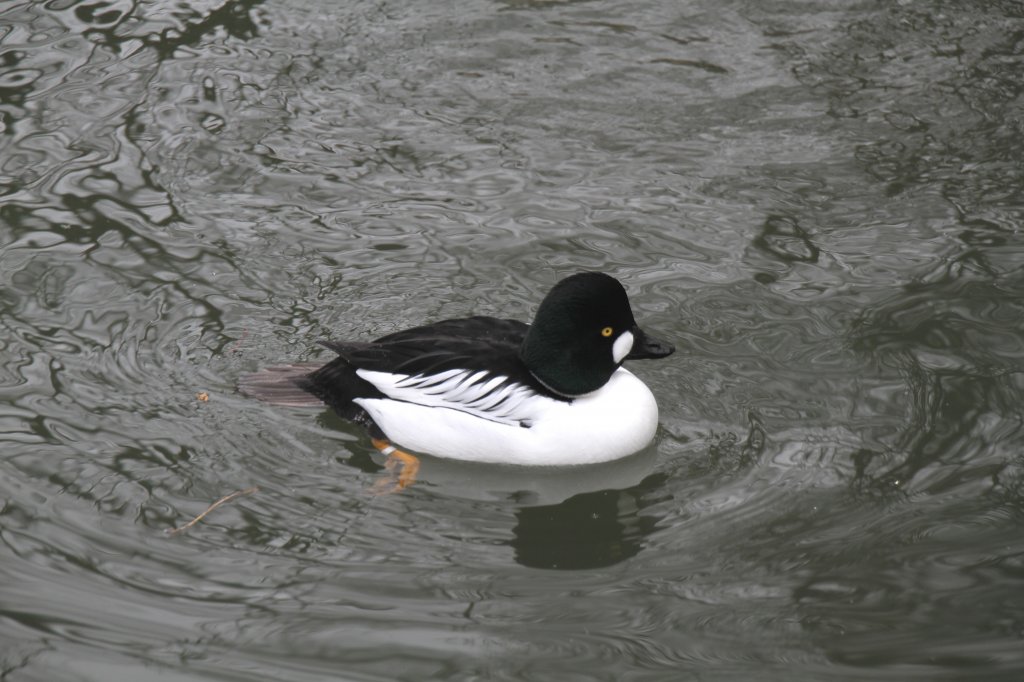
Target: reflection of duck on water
[589,530]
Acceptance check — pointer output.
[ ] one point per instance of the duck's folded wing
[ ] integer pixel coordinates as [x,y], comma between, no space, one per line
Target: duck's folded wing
[471,365]
[485,344]
[483,394]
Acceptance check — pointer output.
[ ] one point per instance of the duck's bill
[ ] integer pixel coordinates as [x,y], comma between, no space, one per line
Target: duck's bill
[647,347]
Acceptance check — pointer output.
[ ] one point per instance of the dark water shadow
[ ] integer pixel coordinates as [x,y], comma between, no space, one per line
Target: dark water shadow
[590,530]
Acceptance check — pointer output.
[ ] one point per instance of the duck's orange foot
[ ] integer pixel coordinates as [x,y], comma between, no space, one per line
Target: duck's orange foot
[402,468]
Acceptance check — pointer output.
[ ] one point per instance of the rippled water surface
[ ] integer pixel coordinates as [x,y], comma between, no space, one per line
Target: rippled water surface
[820,203]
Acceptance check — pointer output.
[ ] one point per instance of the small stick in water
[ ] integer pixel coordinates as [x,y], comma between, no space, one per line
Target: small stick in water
[223,500]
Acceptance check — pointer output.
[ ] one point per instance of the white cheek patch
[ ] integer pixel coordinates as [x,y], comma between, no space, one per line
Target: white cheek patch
[622,346]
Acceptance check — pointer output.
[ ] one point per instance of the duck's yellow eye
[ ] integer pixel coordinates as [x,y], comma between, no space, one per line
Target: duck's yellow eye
[607,331]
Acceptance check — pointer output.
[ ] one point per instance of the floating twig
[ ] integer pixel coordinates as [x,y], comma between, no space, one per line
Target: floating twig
[223,500]
[233,346]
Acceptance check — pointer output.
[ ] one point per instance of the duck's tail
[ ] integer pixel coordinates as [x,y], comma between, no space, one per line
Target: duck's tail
[280,385]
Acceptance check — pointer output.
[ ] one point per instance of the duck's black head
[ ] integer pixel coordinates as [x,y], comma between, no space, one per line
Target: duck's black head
[582,332]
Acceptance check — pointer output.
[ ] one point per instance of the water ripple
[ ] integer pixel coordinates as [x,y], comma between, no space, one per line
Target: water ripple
[819,207]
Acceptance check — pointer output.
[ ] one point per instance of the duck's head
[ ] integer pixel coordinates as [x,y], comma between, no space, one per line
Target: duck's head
[583,331]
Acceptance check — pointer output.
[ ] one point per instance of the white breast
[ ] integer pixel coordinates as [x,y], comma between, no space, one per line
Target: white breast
[616,420]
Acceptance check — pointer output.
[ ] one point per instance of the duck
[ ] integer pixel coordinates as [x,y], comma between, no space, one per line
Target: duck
[494,390]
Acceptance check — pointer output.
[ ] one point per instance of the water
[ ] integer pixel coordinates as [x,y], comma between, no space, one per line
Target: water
[818,202]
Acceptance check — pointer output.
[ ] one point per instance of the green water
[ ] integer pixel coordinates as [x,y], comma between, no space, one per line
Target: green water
[820,204]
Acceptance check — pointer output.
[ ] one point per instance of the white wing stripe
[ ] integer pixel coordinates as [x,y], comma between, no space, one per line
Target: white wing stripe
[491,400]
[424,381]
[480,393]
